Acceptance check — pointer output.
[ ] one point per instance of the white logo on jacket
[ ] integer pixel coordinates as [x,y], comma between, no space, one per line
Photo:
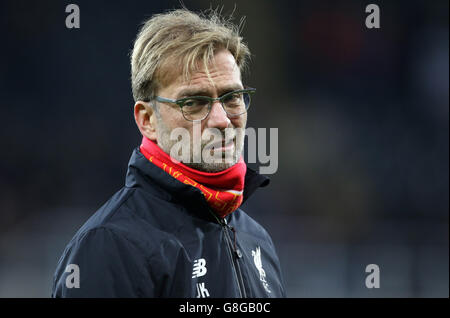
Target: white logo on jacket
[199,270]
[258,263]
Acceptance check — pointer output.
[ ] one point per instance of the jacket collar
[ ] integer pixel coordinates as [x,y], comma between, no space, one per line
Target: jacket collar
[142,174]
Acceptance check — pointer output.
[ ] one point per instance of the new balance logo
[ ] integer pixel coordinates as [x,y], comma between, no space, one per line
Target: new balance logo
[199,268]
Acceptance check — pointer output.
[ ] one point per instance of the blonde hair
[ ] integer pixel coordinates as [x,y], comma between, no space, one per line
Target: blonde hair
[181,38]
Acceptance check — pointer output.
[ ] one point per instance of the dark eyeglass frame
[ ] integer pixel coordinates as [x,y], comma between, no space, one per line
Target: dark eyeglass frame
[180,102]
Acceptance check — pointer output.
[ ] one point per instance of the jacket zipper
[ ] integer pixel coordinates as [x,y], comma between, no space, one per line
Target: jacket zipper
[234,254]
[232,251]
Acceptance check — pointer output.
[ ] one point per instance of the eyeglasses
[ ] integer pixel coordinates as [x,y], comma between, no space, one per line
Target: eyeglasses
[197,108]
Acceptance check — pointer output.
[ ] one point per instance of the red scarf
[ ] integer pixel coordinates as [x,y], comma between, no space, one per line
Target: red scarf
[223,190]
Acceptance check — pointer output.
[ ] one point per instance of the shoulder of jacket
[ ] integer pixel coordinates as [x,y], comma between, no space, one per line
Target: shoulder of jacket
[111,236]
[89,235]
[247,224]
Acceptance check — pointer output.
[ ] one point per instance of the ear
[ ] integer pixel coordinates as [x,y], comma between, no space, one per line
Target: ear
[145,118]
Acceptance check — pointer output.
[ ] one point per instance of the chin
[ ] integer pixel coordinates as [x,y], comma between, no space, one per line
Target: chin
[228,160]
[210,167]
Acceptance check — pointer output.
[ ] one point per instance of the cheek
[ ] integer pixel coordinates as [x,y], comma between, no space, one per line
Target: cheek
[172,118]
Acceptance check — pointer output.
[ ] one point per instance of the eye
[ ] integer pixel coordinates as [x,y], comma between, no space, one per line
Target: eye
[235,98]
[194,104]
[190,103]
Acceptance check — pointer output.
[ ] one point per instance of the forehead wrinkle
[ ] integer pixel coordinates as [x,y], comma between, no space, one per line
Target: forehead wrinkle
[218,67]
[221,83]
[224,75]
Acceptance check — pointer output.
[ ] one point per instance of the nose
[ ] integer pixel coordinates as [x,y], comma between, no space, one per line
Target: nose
[217,118]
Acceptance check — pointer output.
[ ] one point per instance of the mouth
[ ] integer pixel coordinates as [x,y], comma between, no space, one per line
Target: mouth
[223,146]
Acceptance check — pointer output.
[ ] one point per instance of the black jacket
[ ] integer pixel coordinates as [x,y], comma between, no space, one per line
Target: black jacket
[157,237]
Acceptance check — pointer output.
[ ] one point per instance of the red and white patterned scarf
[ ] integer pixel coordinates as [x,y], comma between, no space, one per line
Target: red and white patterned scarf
[223,190]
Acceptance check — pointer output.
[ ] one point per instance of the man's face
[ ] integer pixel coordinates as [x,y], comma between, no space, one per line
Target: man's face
[225,77]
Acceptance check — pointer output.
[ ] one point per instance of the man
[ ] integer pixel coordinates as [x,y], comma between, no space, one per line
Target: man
[176,229]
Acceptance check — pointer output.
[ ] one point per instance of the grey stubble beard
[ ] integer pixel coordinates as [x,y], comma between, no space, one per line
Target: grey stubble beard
[165,143]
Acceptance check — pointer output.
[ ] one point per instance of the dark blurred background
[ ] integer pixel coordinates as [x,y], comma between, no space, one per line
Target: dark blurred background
[362,117]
